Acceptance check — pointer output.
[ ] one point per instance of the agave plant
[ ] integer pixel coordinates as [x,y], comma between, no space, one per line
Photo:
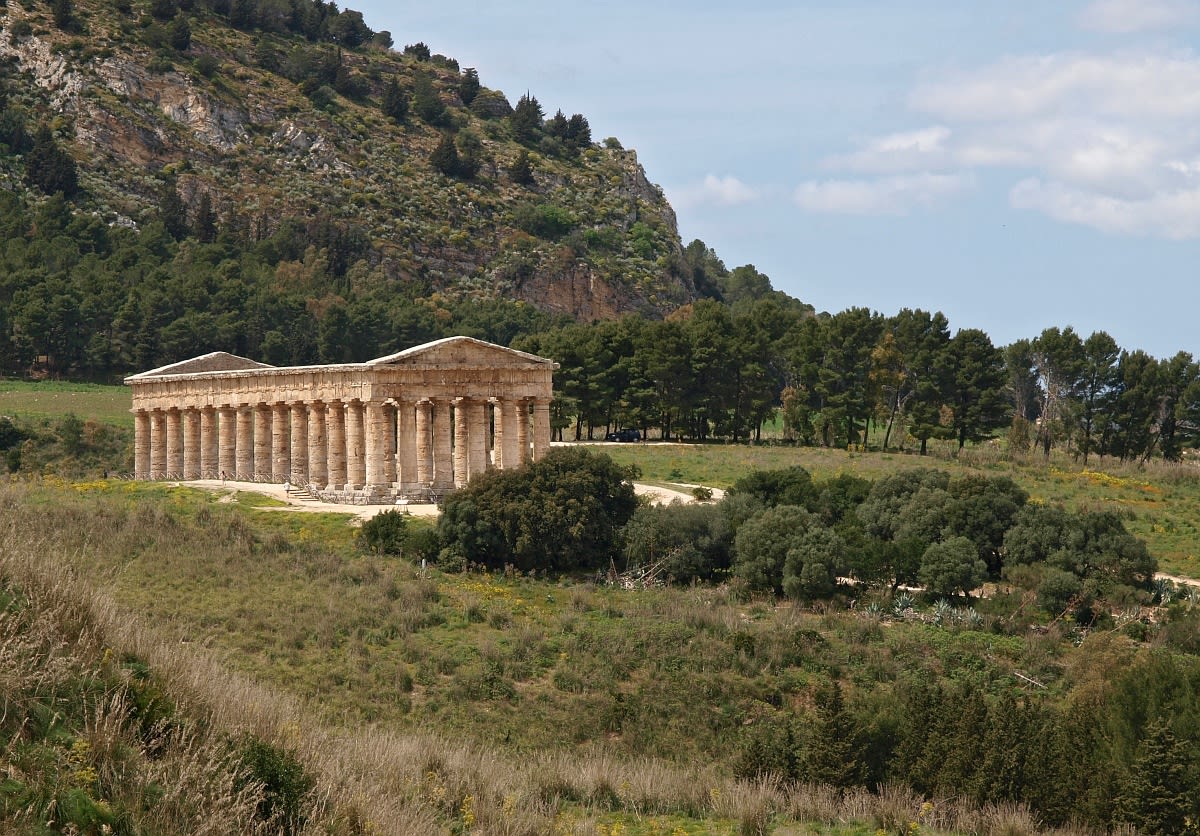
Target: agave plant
[901,604]
[941,612]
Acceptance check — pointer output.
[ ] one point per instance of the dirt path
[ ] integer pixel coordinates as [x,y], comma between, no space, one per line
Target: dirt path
[228,491]
[1178,579]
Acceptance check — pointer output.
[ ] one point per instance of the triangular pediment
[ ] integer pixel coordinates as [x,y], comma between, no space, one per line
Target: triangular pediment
[462,352]
[216,361]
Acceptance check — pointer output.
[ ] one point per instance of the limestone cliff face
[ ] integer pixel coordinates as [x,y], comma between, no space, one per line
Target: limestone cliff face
[262,150]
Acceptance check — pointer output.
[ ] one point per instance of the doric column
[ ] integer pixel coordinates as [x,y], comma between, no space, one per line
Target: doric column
[462,461]
[522,432]
[209,443]
[443,458]
[227,417]
[408,445]
[356,460]
[506,434]
[262,442]
[318,448]
[374,444]
[281,443]
[158,444]
[299,466]
[141,444]
[389,443]
[336,429]
[245,444]
[191,444]
[541,428]
[477,432]
[422,445]
[174,444]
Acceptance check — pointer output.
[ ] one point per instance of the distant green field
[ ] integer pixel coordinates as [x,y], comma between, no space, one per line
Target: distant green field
[53,399]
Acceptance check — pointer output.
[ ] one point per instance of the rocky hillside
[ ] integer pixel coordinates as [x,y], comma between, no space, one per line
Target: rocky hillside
[251,123]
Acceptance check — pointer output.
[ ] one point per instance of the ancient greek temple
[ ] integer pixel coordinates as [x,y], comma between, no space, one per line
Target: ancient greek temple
[415,424]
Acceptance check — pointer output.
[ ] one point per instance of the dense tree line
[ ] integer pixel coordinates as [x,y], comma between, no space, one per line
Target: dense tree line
[84,299]
[1115,752]
[315,20]
[779,532]
[724,366]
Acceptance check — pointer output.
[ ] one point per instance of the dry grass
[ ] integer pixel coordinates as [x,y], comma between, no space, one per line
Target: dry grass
[376,779]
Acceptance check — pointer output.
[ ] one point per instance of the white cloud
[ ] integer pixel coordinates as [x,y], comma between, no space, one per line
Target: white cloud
[1173,214]
[895,195]
[714,190]
[1107,140]
[920,149]
[1127,85]
[1126,16]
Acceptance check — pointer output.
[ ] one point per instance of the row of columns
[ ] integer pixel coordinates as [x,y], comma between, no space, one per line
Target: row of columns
[430,444]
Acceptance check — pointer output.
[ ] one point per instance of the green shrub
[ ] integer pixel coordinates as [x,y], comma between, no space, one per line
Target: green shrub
[544,220]
[384,533]
[285,783]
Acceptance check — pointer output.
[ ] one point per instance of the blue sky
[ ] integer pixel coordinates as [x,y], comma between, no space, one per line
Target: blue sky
[1014,164]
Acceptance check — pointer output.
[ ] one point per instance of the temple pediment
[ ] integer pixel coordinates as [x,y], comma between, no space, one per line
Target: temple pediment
[460,352]
[215,361]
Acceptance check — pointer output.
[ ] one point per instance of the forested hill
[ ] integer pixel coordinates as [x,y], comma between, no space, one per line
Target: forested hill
[265,175]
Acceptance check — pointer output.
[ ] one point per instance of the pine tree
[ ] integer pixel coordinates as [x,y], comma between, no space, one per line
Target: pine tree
[1155,798]
[426,102]
[445,157]
[526,119]
[468,87]
[164,9]
[179,34]
[64,14]
[521,172]
[204,227]
[579,132]
[834,754]
[394,103]
[48,167]
[470,155]
[172,212]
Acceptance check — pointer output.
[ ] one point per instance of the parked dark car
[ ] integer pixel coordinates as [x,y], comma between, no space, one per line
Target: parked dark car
[624,435]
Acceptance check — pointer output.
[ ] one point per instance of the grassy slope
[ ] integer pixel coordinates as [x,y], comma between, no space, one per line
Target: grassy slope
[571,709]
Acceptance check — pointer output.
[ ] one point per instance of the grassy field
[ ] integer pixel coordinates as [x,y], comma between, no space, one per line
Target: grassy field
[427,702]
[482,703]
[53,399]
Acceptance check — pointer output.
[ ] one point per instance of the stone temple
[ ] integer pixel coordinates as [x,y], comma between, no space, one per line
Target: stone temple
[414,425]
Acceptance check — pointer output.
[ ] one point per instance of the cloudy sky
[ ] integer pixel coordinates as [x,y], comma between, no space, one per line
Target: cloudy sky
[1013,164]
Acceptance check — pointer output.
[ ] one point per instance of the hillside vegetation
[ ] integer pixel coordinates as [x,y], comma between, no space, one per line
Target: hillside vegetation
[612,694]
[650,709]
[282,182]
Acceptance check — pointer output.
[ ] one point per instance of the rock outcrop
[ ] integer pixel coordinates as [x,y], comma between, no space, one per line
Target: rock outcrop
[263,148]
